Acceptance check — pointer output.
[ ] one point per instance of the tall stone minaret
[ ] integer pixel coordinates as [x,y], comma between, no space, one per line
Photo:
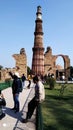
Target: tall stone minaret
[38,50]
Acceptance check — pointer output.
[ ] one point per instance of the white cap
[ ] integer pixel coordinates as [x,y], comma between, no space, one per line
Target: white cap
[17,74]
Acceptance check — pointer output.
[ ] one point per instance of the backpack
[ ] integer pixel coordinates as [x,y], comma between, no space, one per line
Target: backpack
[2,102]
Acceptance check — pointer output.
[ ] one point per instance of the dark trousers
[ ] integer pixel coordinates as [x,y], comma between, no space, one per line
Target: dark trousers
[31,107]
[16,101]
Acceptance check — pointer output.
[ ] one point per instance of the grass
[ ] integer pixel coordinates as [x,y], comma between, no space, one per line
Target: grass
[57,109]
[5,85]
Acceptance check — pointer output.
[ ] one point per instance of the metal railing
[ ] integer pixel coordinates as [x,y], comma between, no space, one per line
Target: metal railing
[39,119]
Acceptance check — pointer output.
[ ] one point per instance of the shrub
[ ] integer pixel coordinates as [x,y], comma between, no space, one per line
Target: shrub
[51,81]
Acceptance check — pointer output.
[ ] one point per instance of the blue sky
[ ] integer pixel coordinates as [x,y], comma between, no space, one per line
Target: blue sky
[17,26]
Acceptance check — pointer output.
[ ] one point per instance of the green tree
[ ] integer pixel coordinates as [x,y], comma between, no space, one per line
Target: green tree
[1,67]
[28,70]
[51,81]
[71,71]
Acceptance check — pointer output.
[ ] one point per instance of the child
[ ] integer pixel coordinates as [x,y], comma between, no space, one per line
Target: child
[2,103]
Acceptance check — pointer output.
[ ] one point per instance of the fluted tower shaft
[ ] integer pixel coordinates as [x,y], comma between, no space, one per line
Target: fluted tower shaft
[38,50]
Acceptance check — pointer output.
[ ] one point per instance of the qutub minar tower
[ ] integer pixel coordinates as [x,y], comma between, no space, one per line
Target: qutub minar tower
[38,49]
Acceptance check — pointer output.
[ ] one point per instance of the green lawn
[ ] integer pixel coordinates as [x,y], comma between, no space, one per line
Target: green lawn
[57,109]
[4,85]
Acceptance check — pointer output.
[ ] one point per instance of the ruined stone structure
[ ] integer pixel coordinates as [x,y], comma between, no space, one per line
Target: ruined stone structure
[42,62]
[21,62]
[20,66]
[4,73]
[52,68]
[38,50]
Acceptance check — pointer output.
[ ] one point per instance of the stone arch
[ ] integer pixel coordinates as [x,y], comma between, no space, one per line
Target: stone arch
[50,63]
[60,61]
[66,60]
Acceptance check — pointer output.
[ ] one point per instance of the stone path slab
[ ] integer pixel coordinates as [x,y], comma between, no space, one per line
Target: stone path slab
[12,121]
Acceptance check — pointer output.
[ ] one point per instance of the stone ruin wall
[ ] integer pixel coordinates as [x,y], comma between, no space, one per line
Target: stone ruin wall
[4,73]
[21,62]
[20,66]
[50,63]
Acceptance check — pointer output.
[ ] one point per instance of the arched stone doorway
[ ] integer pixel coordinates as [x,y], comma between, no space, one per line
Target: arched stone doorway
[63,71]
[50,63]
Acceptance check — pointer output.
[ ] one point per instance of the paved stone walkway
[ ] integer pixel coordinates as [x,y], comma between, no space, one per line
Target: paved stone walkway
[12,121]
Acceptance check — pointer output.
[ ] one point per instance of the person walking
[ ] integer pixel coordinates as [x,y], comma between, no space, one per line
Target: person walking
[16,85]
[23,80]
[38,97]
[29,80]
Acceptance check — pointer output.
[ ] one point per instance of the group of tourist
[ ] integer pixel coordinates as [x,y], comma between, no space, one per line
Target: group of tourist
[38,97]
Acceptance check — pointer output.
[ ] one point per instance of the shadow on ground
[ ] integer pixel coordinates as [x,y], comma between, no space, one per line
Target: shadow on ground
[12,113]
